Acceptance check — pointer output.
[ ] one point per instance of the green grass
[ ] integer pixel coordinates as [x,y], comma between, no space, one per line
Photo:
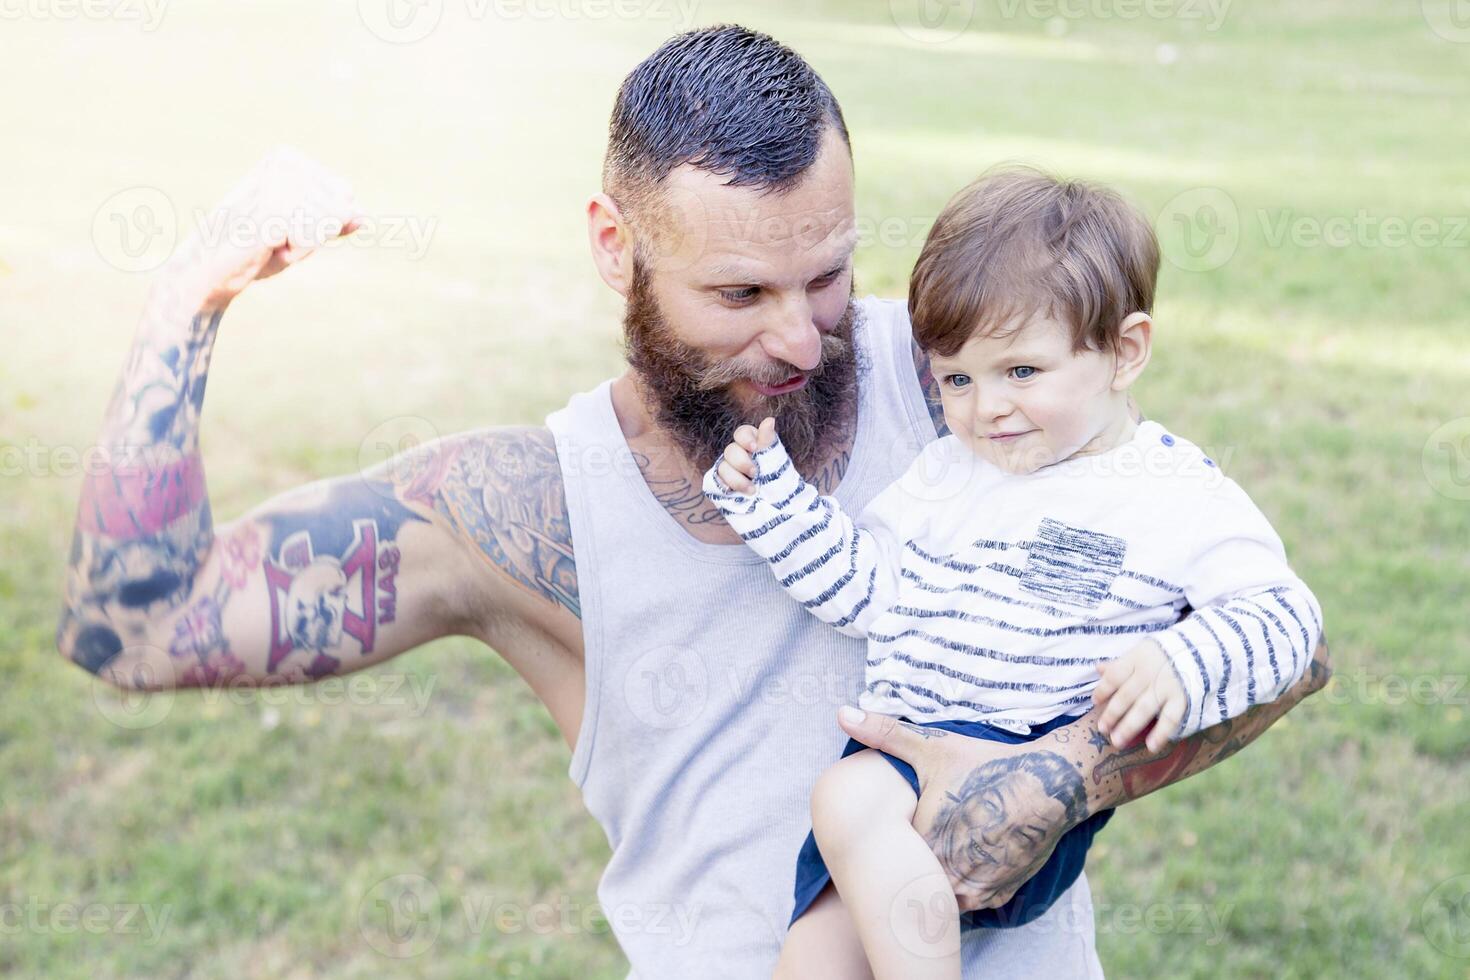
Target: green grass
[262,826]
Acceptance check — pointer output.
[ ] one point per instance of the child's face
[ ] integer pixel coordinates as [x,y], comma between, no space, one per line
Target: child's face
[1025,399]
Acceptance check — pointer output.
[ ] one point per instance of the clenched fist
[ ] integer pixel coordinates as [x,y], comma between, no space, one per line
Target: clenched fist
[737,466]
[285,208]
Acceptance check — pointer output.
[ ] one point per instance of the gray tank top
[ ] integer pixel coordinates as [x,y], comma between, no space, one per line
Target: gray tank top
[711,696]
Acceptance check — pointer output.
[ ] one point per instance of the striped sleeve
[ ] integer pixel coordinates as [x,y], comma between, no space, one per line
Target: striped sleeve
[843,574]
[1255,625]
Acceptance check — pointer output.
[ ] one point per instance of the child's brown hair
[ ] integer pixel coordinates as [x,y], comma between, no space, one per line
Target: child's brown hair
[1018,242]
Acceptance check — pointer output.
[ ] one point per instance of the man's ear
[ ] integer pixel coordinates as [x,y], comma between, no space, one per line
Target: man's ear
[1135,344]
[611,238]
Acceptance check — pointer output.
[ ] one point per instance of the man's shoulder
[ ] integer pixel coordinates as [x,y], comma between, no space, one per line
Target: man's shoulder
[502,490]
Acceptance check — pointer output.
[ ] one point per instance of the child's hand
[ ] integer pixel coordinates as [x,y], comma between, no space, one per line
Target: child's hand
[1137,688]
[737,468]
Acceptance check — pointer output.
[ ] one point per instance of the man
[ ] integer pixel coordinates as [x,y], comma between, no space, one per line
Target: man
[584,551]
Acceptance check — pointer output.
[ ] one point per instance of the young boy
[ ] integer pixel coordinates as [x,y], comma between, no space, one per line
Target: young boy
[1036,560]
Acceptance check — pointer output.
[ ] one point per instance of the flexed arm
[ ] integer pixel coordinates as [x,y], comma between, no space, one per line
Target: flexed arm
[325,579]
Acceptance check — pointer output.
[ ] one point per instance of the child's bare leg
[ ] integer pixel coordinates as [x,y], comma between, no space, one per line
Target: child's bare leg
[823,943]
[891,883]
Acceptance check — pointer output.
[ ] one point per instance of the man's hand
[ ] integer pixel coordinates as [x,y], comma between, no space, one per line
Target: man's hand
[737,467]
[993,812]
[284,209]
[1137,690]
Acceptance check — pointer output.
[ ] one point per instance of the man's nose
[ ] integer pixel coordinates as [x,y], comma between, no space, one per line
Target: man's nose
[793,337]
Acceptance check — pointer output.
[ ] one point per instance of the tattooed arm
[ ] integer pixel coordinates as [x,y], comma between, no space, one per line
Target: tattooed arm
[981,799]
[323,580]
[326,579]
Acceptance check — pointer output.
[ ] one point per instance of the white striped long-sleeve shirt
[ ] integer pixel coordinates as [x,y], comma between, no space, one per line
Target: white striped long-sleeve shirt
[990,596]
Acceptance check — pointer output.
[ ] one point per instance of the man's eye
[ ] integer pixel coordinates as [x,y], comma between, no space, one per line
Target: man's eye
[823,282]
[1023,373]
[743,295]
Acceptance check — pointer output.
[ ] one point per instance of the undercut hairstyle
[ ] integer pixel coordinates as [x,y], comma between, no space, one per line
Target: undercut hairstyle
[724,99]
[1018,243]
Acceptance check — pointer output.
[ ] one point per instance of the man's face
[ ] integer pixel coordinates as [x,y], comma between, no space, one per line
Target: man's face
[741,307]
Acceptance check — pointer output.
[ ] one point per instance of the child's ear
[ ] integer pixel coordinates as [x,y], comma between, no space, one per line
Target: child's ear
[1135,344]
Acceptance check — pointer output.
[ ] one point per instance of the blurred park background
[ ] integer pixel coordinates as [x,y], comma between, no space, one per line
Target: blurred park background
[1307,165]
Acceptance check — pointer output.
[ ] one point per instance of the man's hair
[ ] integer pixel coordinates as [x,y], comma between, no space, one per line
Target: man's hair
[724,99]
[1018,242]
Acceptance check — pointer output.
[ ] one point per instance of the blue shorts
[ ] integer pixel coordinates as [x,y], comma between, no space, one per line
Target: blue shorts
[1031,900]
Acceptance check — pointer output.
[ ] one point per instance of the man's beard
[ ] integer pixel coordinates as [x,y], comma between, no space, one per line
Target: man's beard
[691,399]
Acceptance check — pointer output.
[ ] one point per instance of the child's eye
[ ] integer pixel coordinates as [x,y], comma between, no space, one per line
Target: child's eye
[957,380]
[1022,373]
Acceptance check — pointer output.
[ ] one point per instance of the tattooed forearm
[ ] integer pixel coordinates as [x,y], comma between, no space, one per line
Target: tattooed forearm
[143,524]
[998,826]
[1120,775]
[503,490]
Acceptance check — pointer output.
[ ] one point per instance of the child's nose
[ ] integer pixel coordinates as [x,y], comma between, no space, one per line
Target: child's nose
[992,404]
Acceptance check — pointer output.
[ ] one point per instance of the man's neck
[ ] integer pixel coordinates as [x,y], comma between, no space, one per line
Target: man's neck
[676,481]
